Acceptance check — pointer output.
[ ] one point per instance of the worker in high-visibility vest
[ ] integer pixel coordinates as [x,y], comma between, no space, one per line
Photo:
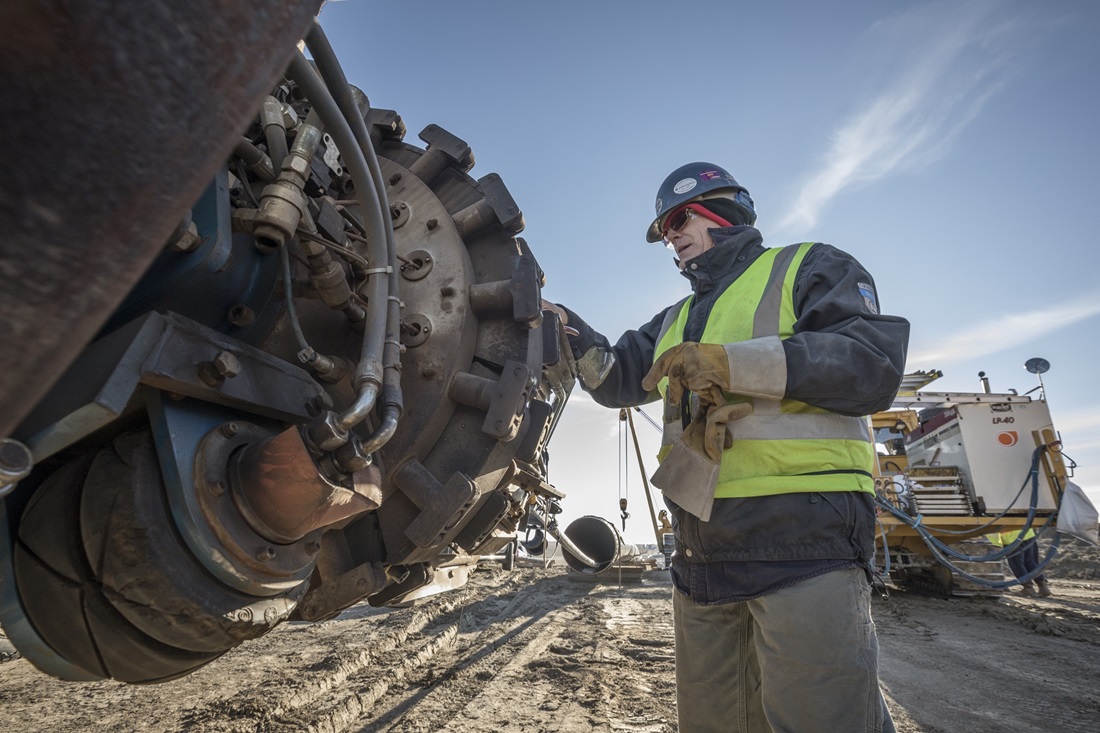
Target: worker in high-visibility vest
[1023,560]
[766,372]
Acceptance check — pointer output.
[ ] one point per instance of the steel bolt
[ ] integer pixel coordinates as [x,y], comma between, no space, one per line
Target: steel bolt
[221,367]
[313,547]
[267,553]
[230,429]
[217,488]
[226,365]
[319,403]
[217,370]
[241,315]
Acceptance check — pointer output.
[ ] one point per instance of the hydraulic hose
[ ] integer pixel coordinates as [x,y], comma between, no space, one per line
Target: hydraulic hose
[288,295]
[334,78]
[368,377]
[941,551]
[930,539]
[1004,583]
[255,159]
[271,116]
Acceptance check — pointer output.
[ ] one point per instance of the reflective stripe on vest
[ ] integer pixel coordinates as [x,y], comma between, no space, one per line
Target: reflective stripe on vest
[784,446]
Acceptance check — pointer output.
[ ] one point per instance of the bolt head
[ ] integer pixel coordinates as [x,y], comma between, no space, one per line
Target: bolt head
[241,315]
[227,365]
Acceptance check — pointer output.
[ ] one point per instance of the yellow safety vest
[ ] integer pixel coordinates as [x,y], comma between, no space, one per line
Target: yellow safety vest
[1000,539]
[784,446]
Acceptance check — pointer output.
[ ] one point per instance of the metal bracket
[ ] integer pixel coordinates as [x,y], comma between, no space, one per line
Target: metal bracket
[441,506]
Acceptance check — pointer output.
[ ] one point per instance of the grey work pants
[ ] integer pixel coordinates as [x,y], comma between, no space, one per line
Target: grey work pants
[803,659]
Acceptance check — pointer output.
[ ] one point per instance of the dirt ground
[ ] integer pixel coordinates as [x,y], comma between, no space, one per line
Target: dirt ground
[537,649]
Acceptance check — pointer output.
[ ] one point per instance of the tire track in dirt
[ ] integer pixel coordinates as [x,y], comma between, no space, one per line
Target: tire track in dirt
[375,649]
[559,654]
[601,663]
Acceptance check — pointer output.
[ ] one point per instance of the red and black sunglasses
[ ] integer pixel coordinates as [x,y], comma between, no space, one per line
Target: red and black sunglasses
[679,217]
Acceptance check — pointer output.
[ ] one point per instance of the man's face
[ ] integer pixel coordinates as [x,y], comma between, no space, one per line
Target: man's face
[690,239]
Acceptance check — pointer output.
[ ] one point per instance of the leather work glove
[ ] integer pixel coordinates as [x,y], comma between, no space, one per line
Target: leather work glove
[716,436]
[707,434]
[689,473]
[691,367]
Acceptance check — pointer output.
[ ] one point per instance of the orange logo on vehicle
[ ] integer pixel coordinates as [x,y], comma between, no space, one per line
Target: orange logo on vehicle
[1008,438]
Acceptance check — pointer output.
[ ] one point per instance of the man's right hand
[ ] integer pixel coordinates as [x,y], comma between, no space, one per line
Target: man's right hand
[692,367]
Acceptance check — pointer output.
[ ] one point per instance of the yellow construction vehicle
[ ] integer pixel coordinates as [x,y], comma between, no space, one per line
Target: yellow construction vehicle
[955,466]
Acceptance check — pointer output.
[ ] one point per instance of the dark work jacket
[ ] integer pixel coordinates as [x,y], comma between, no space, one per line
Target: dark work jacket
[844,356]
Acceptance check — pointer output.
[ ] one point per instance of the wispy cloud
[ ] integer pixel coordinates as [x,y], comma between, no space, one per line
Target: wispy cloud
[958,57]
[1081,421]
[1007,331]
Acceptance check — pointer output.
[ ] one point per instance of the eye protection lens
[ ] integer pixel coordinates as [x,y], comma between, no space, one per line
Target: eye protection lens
[677,220]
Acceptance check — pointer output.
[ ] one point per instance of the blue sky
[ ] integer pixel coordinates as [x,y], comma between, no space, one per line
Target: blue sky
[951,147]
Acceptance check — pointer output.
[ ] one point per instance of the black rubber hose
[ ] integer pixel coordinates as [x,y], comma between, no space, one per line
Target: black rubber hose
[255,159]
[271,115]
[369,373]
[333,75]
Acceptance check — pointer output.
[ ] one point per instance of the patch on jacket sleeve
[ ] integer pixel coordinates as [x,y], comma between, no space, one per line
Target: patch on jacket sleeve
[869,299]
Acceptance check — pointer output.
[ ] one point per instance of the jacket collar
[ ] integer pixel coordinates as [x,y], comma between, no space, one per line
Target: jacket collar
[734,250]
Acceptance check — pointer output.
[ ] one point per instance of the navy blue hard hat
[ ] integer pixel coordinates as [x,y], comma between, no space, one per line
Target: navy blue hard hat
[699,182]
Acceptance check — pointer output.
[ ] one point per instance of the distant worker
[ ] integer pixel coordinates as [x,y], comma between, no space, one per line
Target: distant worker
[1024,560]
[766,372]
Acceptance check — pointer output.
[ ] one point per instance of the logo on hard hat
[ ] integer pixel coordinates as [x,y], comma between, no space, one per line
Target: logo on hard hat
[685,185]
[1008,438]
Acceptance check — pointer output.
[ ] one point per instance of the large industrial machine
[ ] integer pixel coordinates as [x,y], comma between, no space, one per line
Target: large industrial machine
[297,365]
[955,466]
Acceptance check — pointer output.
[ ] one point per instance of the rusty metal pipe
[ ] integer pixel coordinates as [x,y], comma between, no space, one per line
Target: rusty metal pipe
[281,494]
